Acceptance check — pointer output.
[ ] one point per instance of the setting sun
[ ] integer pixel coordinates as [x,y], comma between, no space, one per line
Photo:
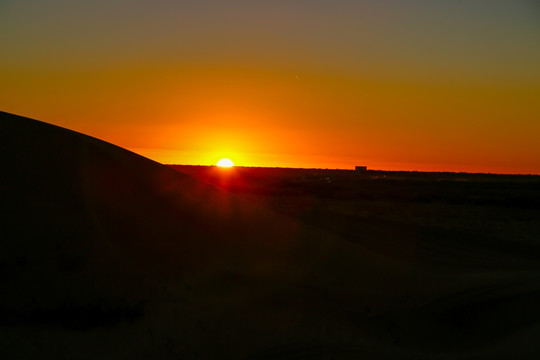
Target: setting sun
[225,163]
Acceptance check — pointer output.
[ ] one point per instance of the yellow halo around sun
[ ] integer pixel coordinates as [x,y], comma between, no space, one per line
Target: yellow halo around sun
[225,163]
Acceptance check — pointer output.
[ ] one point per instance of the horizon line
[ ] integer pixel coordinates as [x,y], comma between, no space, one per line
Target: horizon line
[367,170]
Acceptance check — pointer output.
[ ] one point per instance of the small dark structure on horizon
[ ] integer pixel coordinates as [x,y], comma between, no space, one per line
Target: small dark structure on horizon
[360,169]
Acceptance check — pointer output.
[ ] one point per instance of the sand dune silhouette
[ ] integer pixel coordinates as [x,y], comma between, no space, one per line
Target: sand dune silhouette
[107,254]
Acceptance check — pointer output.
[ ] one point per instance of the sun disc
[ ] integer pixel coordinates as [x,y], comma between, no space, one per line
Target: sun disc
[225,163]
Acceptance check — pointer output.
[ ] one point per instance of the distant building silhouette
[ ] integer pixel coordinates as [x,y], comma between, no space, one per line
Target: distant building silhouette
[360,169]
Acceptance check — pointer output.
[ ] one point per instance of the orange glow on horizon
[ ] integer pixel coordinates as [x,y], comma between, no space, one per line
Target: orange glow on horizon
[395,98]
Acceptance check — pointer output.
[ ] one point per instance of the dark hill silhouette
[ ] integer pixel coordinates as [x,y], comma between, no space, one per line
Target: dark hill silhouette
[106,254]
[77,205]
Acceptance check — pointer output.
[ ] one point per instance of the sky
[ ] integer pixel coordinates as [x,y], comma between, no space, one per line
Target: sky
[427,85]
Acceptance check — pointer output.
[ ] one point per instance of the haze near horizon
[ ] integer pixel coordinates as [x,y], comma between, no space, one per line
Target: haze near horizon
[421,85]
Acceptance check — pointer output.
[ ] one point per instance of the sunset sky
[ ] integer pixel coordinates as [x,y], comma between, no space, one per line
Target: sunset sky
[392,84]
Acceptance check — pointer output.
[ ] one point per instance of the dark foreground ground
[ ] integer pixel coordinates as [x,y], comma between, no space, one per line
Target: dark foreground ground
[454,221]
[476,235]
[105,254]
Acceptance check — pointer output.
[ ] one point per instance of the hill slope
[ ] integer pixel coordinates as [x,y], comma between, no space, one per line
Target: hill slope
[95,236]
[78,205]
